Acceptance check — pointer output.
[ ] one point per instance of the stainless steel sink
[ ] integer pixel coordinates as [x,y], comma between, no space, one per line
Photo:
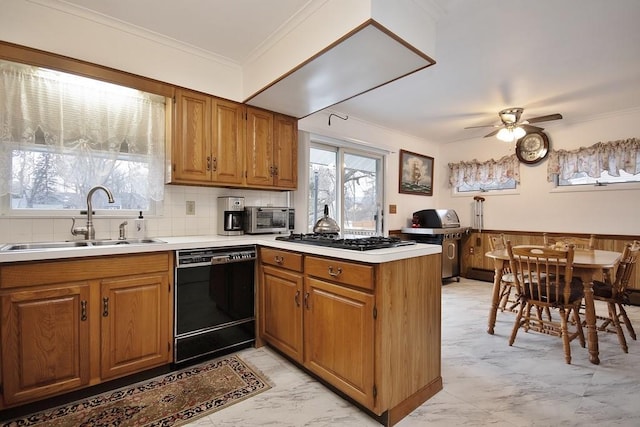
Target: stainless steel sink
[41,246]
[125,242]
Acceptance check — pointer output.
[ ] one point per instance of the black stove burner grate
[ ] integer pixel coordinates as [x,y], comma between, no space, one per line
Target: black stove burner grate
[358,244]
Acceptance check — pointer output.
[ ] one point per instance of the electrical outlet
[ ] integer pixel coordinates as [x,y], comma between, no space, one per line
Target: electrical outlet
[472,250]
[191,207]
[393,209]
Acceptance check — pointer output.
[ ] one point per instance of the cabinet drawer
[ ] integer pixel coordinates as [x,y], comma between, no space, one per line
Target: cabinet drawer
[284,259]
[340,271]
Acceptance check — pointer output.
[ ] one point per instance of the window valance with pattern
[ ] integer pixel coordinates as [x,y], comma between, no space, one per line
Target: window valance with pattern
[490,171]
[611,157]
[86,125]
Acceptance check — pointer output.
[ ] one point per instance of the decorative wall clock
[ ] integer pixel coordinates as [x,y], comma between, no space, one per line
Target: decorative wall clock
[532,148]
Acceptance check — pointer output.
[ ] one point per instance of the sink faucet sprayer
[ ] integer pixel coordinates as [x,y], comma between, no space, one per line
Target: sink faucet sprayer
[89,231]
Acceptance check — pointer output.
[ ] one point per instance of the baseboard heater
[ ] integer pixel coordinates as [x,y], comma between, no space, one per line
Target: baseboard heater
[480,274]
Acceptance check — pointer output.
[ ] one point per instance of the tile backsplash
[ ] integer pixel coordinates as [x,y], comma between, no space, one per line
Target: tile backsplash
[171,220]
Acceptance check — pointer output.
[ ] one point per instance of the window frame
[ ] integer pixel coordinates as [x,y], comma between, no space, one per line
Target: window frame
[39,58]
[341,148]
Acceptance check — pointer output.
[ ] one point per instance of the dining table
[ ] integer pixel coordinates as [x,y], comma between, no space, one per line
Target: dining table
[587,264]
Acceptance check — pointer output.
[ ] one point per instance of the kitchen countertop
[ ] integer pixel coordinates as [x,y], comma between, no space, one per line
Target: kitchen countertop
[375,256]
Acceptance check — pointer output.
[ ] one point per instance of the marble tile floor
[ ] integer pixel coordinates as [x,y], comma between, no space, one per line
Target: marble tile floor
[486,382]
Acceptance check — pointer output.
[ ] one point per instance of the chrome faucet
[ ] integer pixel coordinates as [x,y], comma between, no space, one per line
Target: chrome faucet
[89,231]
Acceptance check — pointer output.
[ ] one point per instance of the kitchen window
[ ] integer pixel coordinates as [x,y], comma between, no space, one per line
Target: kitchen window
[349,181]
[62,134]
[491,175]
[604,163]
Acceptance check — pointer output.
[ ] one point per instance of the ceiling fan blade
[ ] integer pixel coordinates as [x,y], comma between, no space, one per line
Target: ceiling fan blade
[545,118]
[483,126]
[492,133]
[530,128]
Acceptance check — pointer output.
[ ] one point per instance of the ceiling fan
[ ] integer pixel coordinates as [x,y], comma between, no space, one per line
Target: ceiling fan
[512,128]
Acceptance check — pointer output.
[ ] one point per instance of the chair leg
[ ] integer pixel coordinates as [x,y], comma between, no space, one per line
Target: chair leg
[565,335]
[613,315]
[516,324]
[505,291]
[526,313]
[627,322]
[576,319]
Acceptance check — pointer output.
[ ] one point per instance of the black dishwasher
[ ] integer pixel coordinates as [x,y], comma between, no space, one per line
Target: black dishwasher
[213,301]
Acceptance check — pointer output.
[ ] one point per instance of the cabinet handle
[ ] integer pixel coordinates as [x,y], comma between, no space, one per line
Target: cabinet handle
[215,164]
[297,298]
[278,259]
[275,170]
[336,273]
[270,170]
[83,310]
[306,300]
[208,163]
[105,307]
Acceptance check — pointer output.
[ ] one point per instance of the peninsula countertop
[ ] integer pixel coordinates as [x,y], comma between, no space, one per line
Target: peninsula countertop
[374,256]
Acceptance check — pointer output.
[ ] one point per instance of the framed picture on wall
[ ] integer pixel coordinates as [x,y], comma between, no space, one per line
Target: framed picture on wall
[416,174]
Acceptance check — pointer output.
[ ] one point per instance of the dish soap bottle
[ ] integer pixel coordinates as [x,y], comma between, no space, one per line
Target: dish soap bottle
[141,226]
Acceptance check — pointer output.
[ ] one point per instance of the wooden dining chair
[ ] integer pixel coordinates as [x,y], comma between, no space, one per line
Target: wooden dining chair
[562,242]
[544,280]
[616,295]
[507,282]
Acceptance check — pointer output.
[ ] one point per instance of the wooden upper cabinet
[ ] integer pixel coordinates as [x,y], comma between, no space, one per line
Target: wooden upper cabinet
[272,149]
[285,148]
[228,142]
[209,140]
[191,150]
[259,136]
[220,142]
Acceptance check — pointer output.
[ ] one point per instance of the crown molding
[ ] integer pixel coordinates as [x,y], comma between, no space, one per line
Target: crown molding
[118,25]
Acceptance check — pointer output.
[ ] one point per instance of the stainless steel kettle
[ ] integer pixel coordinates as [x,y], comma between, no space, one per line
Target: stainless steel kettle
[326,225]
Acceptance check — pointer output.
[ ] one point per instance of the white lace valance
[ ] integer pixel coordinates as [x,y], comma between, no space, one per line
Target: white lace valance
[612,157]
[92,122]
[490,171]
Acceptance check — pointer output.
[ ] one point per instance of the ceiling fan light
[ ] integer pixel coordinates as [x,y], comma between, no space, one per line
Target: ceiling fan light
[505,135]
[510,134]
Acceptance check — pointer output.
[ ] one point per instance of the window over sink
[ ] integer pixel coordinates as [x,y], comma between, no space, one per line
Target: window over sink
[62,134]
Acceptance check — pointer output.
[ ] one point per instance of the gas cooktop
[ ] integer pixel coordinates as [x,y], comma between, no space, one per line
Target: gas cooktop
[358,244]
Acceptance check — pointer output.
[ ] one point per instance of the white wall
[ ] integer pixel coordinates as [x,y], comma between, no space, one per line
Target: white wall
[60,28]
[538,206]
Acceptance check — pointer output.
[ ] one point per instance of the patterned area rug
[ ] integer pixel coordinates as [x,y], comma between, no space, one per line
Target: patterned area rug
[171,400]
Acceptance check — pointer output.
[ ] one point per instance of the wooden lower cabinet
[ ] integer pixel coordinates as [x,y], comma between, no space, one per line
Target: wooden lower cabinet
[135,331]
[371,331]
[45,342]
[338,337]
[112,317]
[281,305]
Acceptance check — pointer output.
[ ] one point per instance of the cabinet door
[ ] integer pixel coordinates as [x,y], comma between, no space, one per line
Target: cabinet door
[259,137]
[228,142]
[338,337]
[191,156]
[281,310]
[135,325]
[45,342]
[285,149]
